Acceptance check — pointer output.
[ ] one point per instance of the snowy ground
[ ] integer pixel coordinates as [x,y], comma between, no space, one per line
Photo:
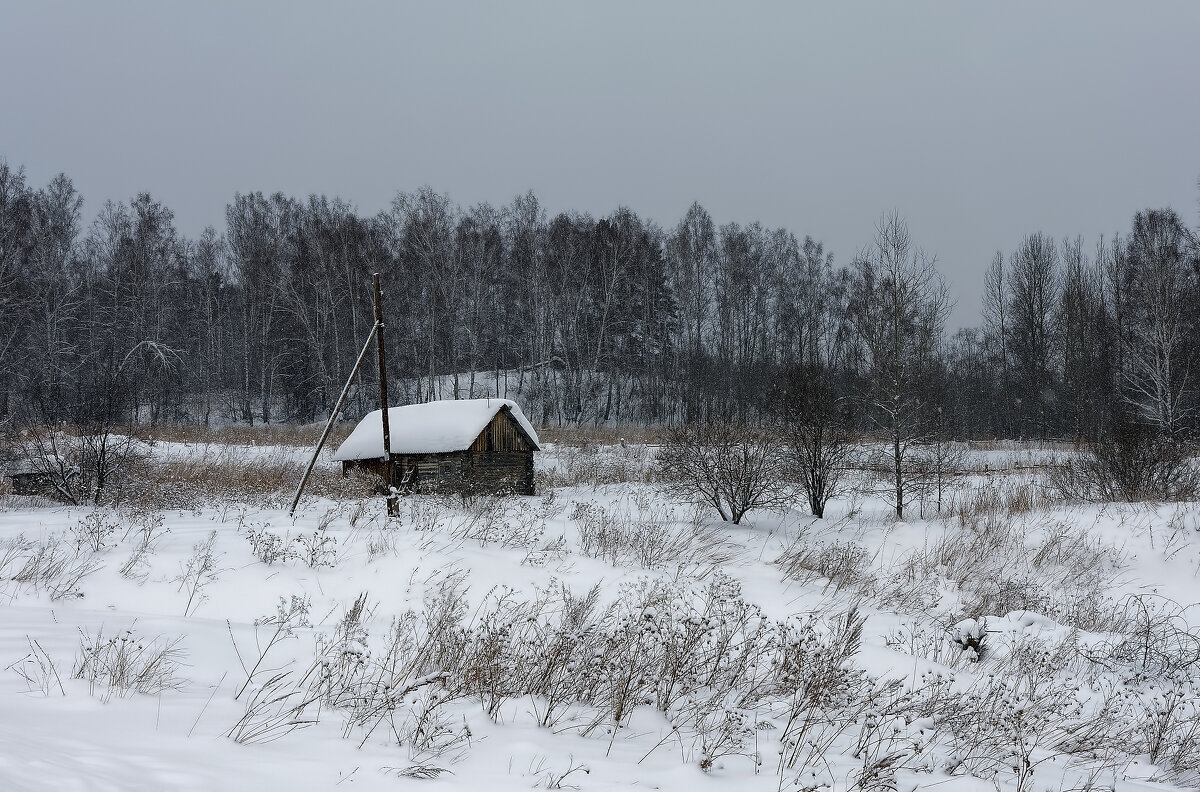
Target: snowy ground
[302,654]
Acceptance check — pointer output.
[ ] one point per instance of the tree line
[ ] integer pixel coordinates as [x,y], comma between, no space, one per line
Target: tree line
[607,321]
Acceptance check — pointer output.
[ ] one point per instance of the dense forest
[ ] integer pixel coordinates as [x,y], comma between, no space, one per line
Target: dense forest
[612,320]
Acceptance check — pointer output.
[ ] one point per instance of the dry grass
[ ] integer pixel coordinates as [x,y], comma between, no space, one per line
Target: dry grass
[572,466]
[302,435]
[582,436]
[1007,497]
[221,473]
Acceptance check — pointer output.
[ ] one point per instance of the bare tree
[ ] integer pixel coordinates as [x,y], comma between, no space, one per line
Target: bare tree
[899,309]
[819,441]
[1036,285]
[996,321]
[734,469]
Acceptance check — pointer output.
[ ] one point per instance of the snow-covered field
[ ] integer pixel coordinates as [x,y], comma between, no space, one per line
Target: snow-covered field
[600,636]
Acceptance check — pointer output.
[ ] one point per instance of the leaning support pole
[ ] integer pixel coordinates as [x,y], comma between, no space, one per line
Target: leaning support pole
[337,408]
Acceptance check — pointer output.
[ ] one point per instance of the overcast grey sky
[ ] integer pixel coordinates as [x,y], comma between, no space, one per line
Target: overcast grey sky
[979,123]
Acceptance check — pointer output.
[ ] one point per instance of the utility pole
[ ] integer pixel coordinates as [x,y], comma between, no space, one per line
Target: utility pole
[393,508]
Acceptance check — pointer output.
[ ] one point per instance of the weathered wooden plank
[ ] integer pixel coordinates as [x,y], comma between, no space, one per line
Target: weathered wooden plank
[507,470]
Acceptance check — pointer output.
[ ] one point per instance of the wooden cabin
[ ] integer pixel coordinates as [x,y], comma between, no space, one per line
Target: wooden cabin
[44,477]
[470,446]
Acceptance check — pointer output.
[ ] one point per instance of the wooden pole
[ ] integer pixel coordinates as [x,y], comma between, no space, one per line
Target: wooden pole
[337,408]
[393,508]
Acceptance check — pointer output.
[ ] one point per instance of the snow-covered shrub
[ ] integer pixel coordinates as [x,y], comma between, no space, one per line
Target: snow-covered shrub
[94,530]
[1005,725]
[1154,640]
[889,741]
[269,547]
[970,635]
[1165,726]
[822,694]
[127,663]
[317,549]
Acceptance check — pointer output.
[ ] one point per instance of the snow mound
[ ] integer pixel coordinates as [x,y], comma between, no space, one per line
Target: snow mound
[429,428]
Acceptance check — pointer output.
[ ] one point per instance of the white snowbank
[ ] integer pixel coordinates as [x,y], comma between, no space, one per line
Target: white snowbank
[429,428]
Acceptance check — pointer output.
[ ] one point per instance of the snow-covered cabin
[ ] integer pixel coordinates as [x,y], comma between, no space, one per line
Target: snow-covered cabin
[463,445]
[42,475]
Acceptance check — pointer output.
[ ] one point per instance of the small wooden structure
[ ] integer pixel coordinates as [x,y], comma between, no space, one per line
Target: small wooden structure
[44,477]
[470,446]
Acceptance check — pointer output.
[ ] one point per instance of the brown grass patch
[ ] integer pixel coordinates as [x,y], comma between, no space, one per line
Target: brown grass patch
[601,435]
[240,434]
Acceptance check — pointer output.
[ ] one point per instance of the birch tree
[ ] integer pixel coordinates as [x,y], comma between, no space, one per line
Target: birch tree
[1157,379]
[899,310]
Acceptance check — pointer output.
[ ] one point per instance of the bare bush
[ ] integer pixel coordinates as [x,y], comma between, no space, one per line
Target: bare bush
[817,433]
[1002,726]
[199,571]
[734,469]
[1165,726]
[87,462]
[1154,640]
[317,549]
[269,547]
[93,531]
[823,695]
[1131,463]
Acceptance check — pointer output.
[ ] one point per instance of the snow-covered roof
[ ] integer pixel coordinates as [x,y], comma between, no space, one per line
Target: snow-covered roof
[37,465]
[429,428]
